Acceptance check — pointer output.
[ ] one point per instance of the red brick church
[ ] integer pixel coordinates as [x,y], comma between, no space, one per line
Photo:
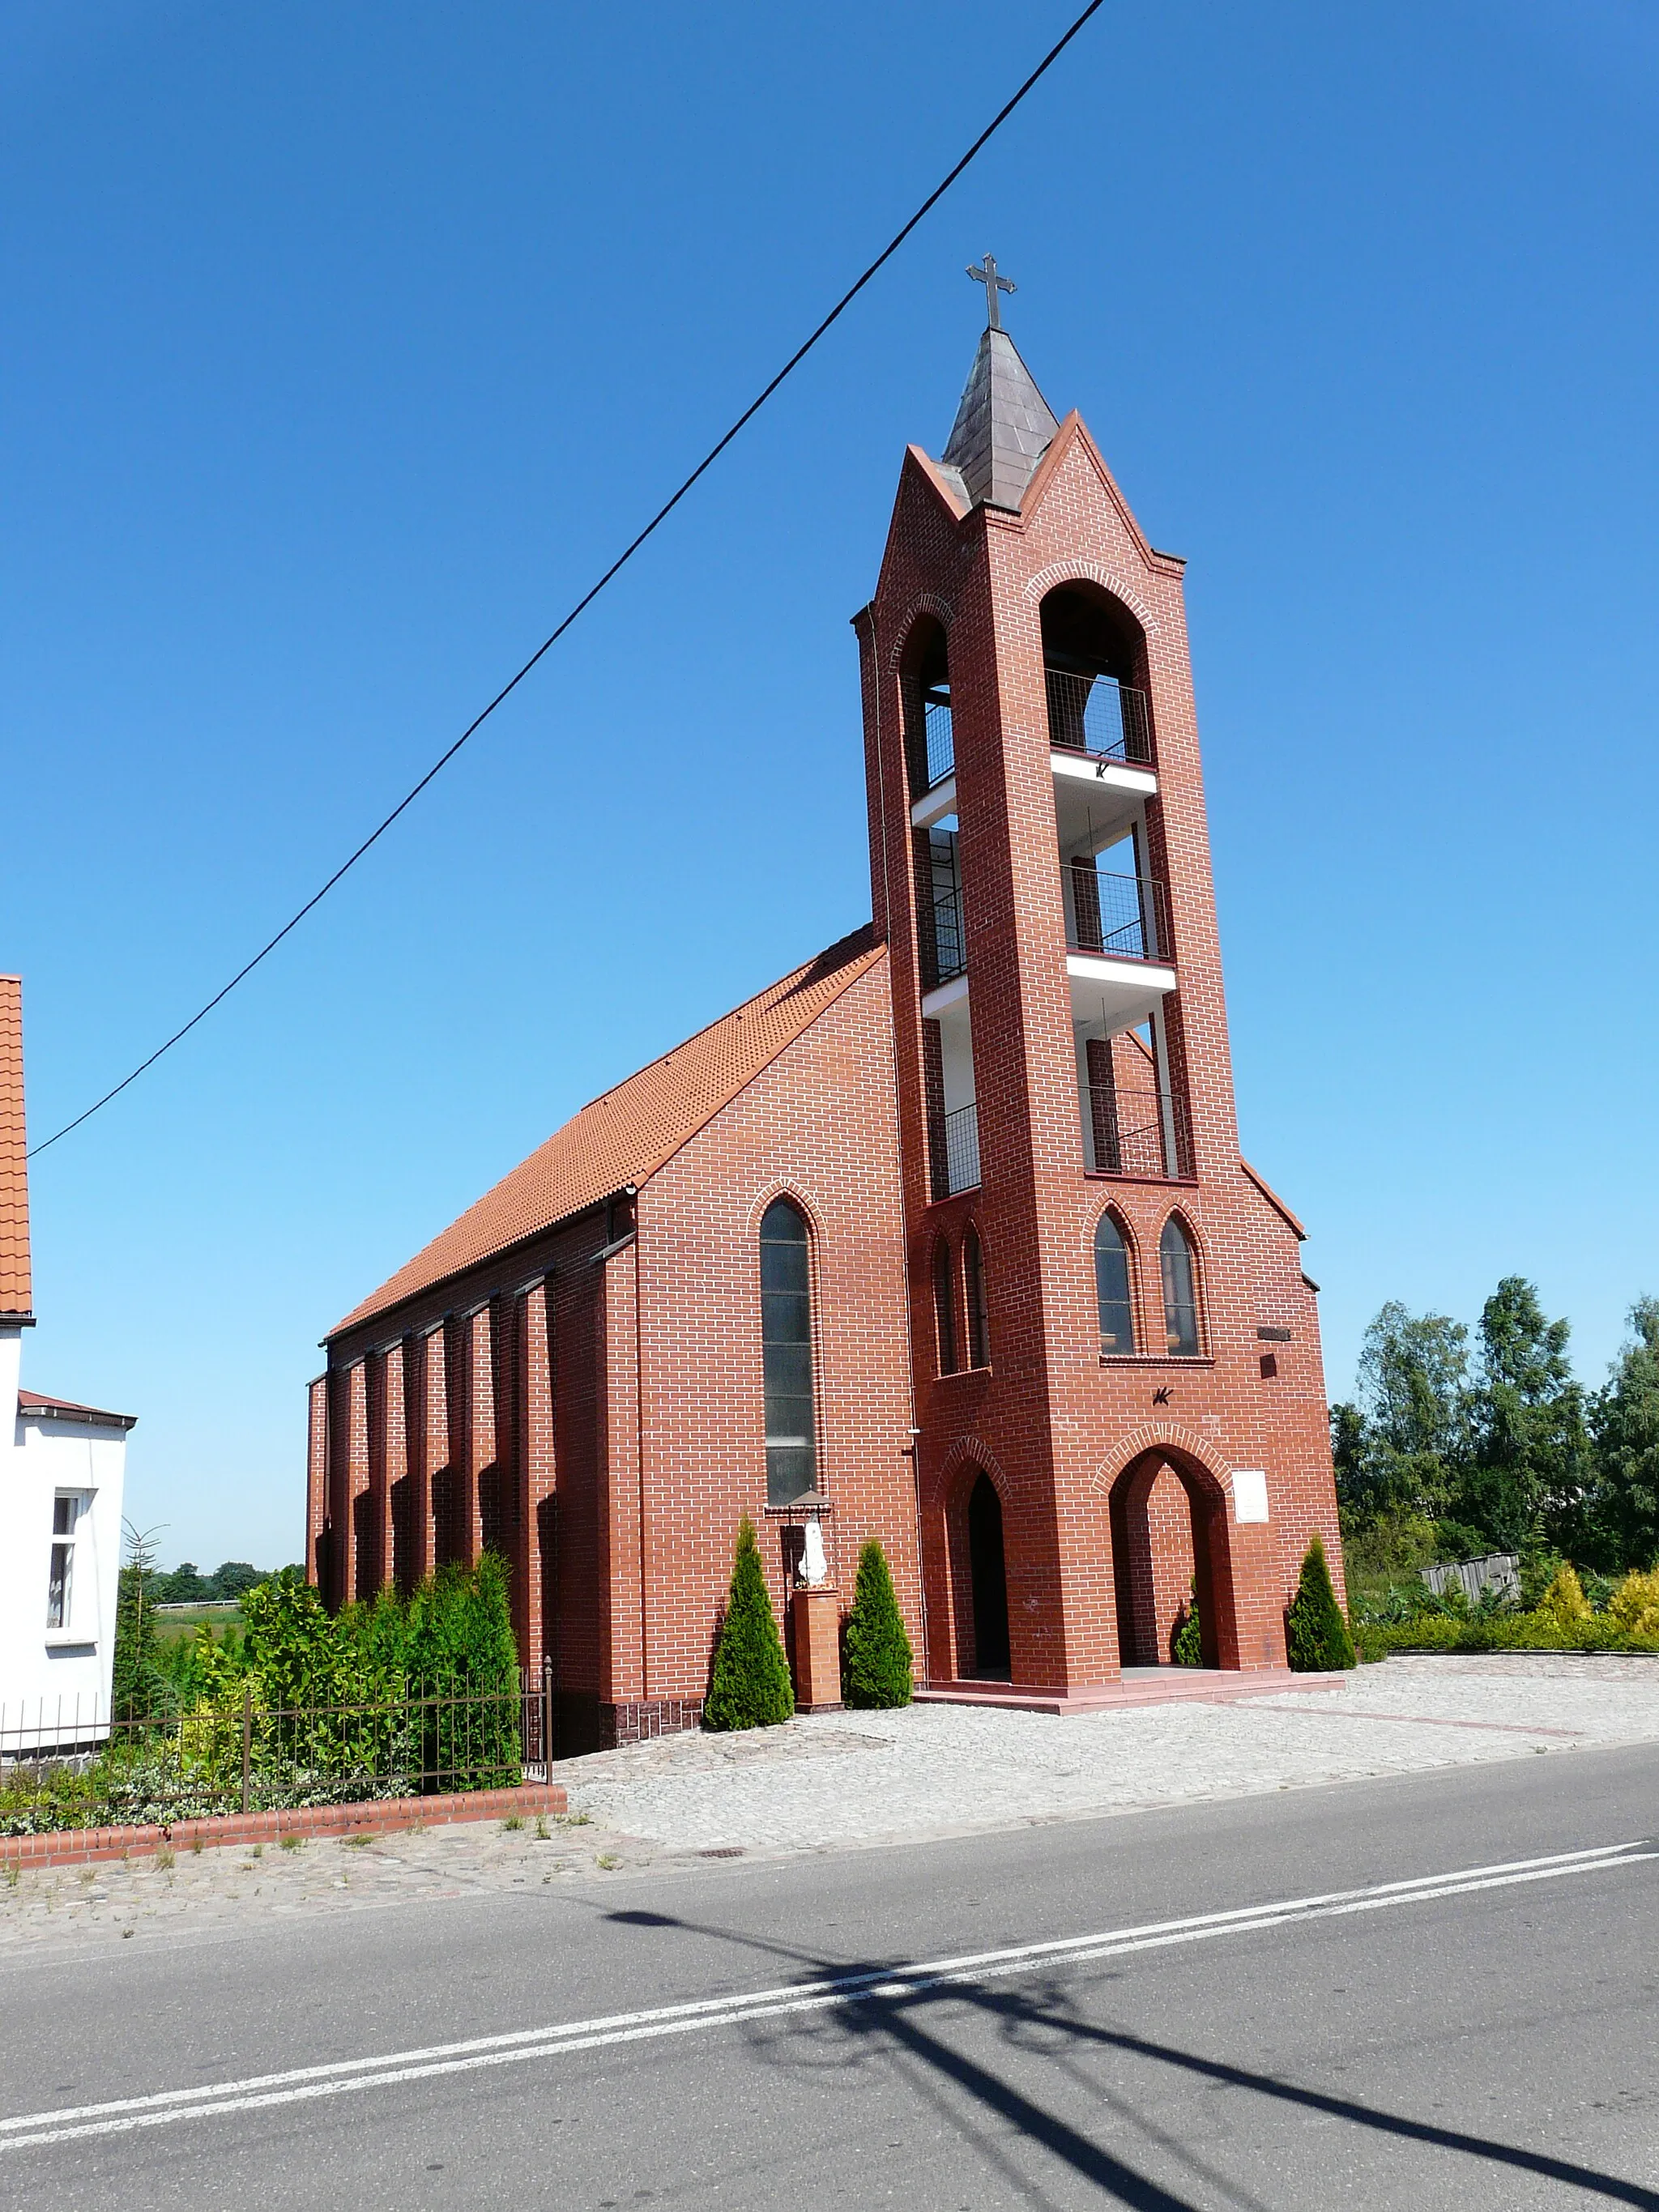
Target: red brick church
[945,1237]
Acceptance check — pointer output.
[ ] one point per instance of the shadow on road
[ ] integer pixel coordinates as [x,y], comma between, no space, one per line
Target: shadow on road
[897,2019]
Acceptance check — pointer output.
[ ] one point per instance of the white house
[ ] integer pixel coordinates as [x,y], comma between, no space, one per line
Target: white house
[61,1471]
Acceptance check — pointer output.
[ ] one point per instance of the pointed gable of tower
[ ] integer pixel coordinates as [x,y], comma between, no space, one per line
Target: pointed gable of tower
[15,1295]
[1004,426]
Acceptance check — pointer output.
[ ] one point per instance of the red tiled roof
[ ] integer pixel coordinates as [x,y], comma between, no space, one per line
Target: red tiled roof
[14,1291]
[631,1132]
[36,1402]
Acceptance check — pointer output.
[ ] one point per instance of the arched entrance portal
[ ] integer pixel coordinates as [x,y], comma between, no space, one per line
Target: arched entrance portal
[1169,1544]
[988,1574]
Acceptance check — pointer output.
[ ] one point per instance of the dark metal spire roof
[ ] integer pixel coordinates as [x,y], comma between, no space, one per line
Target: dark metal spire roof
[1003,427]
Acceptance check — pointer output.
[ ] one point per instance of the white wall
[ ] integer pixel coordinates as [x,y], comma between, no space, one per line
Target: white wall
[50,1676]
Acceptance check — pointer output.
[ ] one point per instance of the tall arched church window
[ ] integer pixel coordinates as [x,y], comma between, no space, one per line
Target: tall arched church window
[944,1308]
[1174,1254]
[1117,1326]
[786,1354]
[973,1282]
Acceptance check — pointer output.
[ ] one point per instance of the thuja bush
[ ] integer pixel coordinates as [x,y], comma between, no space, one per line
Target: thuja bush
[1316,1634]
[1565,1601]
[1635,1605]
[1186,1641]
[877,1662]
[749,1684]
[463,1663]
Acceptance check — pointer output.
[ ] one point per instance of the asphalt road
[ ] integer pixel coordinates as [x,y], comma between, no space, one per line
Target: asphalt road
[1475,2039]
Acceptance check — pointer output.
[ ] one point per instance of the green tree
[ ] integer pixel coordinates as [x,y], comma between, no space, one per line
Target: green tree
[1529,1460]
[1620,1512]
[1316,1634]
[186,1585]
[235,1577]
[749,1684]
[876,1660]
[1413,1382]
[1401,1447]
[138,1686]
[301,1658]
[462,1665]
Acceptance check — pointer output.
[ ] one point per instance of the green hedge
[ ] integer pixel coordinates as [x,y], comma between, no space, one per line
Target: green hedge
[1511,1632]
[394,1697]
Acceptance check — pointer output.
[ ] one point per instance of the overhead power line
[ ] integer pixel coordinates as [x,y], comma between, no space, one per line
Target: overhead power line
[594,590]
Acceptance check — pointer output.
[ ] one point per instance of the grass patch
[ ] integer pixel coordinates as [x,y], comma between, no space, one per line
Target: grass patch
[293,1843]
[512,1823]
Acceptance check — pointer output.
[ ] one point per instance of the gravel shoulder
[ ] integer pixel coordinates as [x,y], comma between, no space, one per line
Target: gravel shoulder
[843,1781]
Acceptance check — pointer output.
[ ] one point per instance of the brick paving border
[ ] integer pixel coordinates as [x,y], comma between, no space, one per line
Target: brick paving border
[381,1816]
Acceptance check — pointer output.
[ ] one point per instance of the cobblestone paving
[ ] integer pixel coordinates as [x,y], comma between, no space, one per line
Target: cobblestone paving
[841,1780]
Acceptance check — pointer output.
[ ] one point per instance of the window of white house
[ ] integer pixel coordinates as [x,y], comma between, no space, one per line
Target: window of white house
[66,1510]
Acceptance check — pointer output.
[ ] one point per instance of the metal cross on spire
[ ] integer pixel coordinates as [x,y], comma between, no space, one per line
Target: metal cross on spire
[985,274]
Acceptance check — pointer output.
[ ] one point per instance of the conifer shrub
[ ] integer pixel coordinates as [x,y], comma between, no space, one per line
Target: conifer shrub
[877,1662]
[749,1682]
[1316,1634]
[1187,1643]
[139,1686]
[1635,1605]
[1565,1601]
[463,1663]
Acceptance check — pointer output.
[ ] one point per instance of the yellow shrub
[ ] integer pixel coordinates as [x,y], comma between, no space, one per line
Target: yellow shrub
[1635,1604]
[1564,1599]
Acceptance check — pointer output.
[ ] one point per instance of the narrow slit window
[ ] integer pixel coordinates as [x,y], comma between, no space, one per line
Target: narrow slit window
[1117,1328]
[944,1308]
[787,1354]
[973,1281]
[1174,1254]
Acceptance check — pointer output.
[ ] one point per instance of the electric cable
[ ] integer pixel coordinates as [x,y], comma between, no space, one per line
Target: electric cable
[593,590]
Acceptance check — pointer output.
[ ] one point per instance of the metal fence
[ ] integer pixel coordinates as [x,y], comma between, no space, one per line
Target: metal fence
[950,948]
[1134,1130]
[955,1163]
[1123,917]
[64,1764]
[1098,715]
[939,738]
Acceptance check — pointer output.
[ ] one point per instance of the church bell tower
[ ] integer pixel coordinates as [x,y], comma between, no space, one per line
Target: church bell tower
[1117,1373]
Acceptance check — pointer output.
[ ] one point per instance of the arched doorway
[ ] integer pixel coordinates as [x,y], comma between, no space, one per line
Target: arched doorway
[1169,1528]
[988,1574]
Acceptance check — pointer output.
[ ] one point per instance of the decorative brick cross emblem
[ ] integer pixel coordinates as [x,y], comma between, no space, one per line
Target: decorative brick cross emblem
[985,274]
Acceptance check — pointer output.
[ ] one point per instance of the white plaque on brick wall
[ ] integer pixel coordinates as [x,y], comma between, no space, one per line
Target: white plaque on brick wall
[1249,1494]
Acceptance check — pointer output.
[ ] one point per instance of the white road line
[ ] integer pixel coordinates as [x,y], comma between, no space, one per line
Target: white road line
[301,2084]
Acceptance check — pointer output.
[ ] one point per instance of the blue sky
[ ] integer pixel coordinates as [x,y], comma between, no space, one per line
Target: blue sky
[348,344]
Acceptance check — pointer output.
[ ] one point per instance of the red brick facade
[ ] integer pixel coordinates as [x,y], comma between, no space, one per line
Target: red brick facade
[573,1375]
